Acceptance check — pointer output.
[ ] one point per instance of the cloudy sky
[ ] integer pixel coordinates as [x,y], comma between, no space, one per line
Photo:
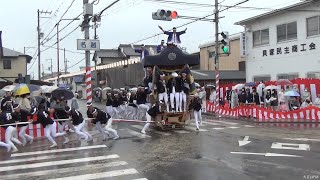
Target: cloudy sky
[126,22]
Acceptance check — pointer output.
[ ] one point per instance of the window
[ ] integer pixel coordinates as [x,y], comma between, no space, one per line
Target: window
[315,75]
[261,78]
[287,32]
[288,76]
[261,37]
[6,64]
[313,26]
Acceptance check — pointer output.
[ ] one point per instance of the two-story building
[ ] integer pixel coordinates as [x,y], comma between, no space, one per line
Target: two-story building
[13,63]
[284,43]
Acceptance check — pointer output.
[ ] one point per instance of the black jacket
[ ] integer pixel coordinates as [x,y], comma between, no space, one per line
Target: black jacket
[185,86]
[161,88]
[195,104]
[131,99]
[21,117]
[109,101]
[256,98]
[102,117]
[6,107]
[60,114]
[154,111]
[76,117]
[141,97]
[6,118]
[44,118]
[242,97]
[249,97]
[175,82]
[116,102]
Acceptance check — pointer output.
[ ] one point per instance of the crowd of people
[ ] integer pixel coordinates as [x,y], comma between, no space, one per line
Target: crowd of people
[286,99]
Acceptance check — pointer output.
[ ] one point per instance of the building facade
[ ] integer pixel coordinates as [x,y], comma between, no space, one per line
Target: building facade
[284,44]
[226,63]
[13,63]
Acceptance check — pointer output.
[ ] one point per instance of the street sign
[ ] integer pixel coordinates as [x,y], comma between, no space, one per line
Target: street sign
[88,44]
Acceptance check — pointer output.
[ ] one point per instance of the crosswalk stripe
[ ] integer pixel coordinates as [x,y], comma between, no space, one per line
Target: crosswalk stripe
[140,179]
[65,170]
[194,129]
[36,158]
[194,124]
[56,163]
[233,127]
[217,128]
[101,175]
[181,131]
[134,133]
[249,126]
[137,126]
[57,150]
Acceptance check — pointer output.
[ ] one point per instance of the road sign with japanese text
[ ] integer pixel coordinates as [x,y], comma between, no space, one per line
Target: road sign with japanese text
[88,44]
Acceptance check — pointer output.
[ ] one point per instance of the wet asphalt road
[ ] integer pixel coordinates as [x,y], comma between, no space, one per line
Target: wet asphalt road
[211,154]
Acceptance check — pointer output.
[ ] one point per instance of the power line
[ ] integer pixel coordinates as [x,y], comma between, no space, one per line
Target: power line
[58,22]
[76,63]
[63,50]
[35,59]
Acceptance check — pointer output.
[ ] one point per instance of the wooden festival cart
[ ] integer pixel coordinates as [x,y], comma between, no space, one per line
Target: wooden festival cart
[171,59]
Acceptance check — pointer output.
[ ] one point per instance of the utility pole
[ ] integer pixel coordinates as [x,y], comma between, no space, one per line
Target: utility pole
[85,26]
[216,17]
[39,37]
[58,60]
[65,61]
[96,19]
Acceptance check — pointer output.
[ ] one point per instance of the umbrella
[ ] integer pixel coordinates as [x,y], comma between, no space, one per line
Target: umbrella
[21,89]
[292,93]
[210,86]
[260,88]
[133,89]
[33,87]
[271,87]
[197,84]
[238,86]
[9,88]
[48,89]
[97,88]
[62,93]
[250,84]
[2,93]
[283,82]
[107,89]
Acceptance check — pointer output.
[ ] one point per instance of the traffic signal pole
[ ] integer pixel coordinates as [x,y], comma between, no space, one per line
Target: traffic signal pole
[216,17]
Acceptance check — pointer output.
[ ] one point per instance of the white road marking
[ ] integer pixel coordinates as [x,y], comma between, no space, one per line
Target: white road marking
[58,150]
[302,139]
[141,179]
[194,129]
[233,127]
[101,175]
[181,131]
[194,124]
[244,141]
[137,126]
[291,146]
[36,158]
[138,134]
[56,163]
[217,128]
[65,170]
[266,154]
[248,126]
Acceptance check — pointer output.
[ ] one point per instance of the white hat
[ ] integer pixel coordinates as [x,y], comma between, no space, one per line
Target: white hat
[174,74]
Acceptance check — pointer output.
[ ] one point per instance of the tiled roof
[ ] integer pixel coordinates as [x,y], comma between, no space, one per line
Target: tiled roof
[11,53]
[110,53]
[127,49]
[224,75]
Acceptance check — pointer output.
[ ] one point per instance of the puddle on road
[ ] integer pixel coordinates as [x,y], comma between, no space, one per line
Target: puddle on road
[290,125]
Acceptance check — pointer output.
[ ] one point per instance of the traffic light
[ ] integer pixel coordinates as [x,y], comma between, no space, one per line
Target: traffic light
[225,43]
[164,15]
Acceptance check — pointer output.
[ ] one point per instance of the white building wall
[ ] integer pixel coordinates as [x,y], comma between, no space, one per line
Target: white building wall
[300,62]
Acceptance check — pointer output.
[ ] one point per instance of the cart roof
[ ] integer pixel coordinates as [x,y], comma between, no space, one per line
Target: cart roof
[171,56]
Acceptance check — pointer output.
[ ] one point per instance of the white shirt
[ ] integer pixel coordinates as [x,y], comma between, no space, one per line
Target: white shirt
[142,55]
[174,39]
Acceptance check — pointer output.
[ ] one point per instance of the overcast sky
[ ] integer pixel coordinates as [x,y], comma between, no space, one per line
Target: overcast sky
[126,22]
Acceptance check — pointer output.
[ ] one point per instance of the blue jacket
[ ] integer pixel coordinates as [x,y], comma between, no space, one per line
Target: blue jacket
[170,35]
[159,48]
[146,53]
